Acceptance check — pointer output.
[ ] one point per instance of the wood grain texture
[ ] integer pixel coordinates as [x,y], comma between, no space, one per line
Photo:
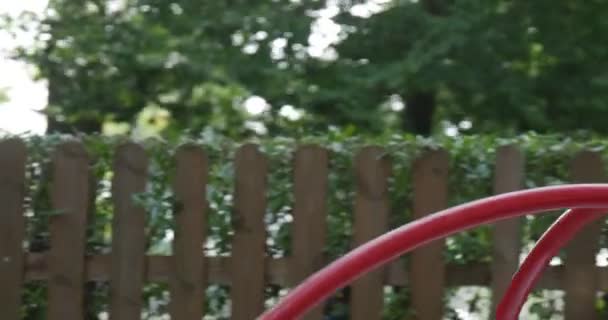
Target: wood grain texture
[189,279]
[70,198]
[128,233]
[581,280]
[160,269]
[310,213]
[427,268]
[248,281]
[13,156]
[506,235]
[372,171]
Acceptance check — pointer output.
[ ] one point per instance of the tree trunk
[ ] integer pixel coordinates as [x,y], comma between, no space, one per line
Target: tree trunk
[417,117]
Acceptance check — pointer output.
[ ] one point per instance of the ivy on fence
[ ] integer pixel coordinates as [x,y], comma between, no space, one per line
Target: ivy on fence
[471,161]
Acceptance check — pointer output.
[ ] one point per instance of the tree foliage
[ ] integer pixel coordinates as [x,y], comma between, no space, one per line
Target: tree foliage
[506,66]
[106,61]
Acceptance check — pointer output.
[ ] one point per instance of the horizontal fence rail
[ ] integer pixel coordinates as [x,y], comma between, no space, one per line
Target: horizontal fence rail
[277,271]
[66,267]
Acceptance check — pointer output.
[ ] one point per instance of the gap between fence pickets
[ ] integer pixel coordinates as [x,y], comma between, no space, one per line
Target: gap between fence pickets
[277,269]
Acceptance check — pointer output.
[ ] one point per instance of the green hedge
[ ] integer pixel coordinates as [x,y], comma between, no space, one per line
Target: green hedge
[471,174]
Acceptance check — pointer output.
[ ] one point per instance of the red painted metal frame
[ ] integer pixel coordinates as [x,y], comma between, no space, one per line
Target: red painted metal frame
[436,226]
[560,232]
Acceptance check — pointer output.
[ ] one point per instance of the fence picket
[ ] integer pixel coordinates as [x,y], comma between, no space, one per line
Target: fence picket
[189,275]
[70,198]
[506,235]
[310,211]
[13,156]
[128,233]
[247,291]
[66,268]
[427,269]
[372,170]
[580,276]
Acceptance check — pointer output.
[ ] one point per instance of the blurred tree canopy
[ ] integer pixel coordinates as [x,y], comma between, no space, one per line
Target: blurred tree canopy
[374,66]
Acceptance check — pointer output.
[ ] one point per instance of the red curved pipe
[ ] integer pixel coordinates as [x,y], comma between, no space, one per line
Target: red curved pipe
[417,233]
[558,234]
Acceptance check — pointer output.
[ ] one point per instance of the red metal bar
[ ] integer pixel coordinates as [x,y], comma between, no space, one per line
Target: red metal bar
[560,232]
[417,233]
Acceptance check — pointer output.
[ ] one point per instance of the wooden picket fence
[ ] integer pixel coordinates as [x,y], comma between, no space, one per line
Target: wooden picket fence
[66,268]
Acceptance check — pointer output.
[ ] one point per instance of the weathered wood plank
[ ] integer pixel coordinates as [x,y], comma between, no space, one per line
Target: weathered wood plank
[372,171]
[128,233]
[12,229]
[189,276]
[506,235]
[580,278]
[427,268]
[70,198]
[247,291]
[310,213]
[159,269]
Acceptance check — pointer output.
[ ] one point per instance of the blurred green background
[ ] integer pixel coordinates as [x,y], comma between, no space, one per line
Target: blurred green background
[467,75]
[373,66]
